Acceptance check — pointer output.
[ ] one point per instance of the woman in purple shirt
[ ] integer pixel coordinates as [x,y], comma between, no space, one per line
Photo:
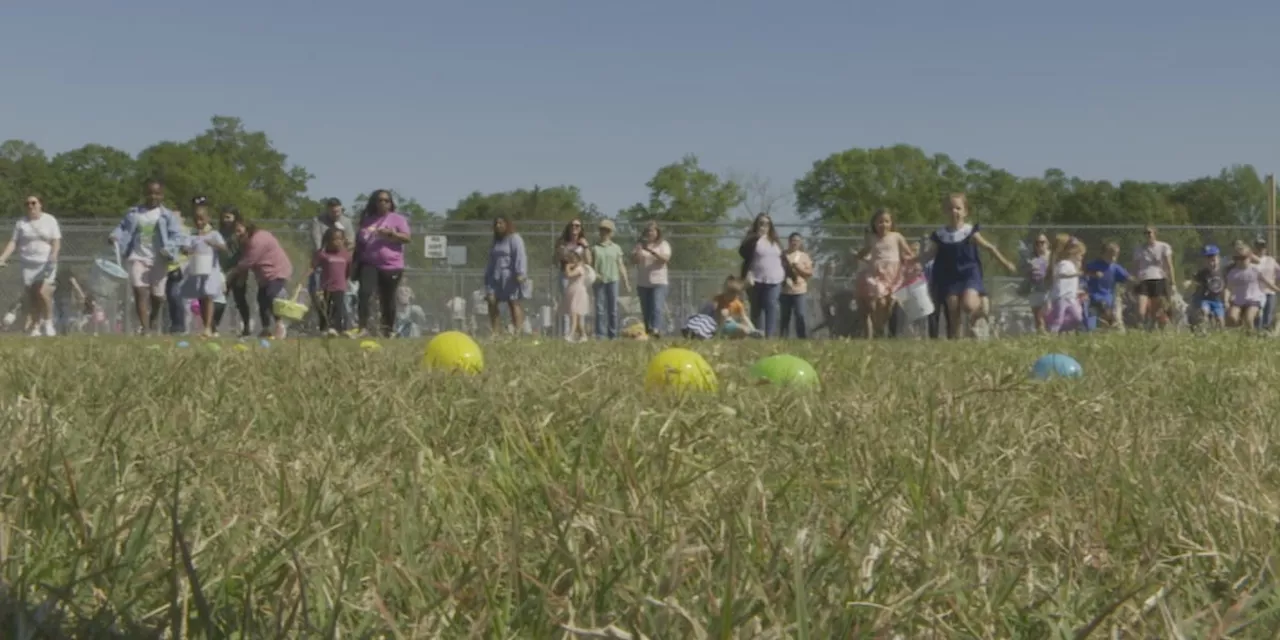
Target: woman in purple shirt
[379,259]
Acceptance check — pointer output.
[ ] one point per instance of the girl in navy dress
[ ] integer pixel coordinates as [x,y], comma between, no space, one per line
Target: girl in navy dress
[956,282]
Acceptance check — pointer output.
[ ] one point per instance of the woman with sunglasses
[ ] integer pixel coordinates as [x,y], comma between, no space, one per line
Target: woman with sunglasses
[572,240]
[379,260]
[38,239]
[1153,270]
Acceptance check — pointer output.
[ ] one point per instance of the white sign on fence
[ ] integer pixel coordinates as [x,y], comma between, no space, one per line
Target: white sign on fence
[457,256]
[435,247]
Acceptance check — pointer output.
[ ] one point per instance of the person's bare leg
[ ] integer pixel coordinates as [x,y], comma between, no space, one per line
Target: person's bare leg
[44,295]
[971,304]
[517,317]
[495,318]
[30,309]
[142,304]
[1248,317]
[206,315]
[953,317]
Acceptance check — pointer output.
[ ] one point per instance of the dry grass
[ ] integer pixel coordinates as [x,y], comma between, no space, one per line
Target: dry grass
[927,491]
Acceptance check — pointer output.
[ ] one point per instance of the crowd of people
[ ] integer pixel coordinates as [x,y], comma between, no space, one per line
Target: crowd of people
[174,260]
[195,262]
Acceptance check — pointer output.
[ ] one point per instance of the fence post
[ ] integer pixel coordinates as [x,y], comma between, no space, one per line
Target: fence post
[1271,209]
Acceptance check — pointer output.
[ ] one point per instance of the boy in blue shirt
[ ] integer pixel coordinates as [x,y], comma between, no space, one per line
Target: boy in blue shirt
[1210,285]
[1103,274]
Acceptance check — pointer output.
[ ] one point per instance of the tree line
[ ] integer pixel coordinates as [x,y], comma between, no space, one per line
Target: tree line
[229,163]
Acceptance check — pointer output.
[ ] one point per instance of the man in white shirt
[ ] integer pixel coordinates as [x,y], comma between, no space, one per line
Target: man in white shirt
[38,239]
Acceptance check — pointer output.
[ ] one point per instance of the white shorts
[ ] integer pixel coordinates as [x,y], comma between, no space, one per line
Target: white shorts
[33,274]
[149,274]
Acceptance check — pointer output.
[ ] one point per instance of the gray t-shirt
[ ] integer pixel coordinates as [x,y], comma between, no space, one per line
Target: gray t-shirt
[321,223]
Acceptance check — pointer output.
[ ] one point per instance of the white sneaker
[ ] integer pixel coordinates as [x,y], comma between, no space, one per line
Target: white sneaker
[36,332]
[48,328]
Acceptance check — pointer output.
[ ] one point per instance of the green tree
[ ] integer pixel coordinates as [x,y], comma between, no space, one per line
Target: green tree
[270,186]
[693,203]
[93,181]
[469,222]
[188,173]
[24,169]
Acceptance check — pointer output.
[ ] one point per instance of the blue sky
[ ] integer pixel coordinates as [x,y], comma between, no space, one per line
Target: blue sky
[437,99]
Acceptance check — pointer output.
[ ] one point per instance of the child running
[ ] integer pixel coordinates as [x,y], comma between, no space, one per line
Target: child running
[884,251]
[1065,312]
[957,266]
[1103,274]
[203,279]
[333,262]
[1247,286]
[575,303]
[1210,291]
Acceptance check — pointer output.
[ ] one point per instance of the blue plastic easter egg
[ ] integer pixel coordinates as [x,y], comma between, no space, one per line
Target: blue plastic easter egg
[1056,365]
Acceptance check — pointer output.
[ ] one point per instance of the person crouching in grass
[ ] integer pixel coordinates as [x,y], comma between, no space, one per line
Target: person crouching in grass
[332,262]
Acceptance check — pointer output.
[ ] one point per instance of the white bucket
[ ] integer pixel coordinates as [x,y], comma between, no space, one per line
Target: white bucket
[915,300]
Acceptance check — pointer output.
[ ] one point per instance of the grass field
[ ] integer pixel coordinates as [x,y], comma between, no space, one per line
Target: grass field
[926,491]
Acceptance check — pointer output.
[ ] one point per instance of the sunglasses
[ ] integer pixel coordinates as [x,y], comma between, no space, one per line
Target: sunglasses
[32,203]
[575,225]
[384,199]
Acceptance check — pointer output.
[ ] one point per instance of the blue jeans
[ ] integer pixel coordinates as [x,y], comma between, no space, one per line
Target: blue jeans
[792,304]
[606,294]
[653,301]
[764,304]
[1268,313]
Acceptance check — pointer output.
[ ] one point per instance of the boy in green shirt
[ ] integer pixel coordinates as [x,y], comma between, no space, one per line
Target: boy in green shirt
[610,269]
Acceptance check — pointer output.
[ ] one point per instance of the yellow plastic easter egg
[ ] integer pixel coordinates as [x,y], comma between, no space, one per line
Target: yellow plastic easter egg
[679,370]
[370,345]
[453,351]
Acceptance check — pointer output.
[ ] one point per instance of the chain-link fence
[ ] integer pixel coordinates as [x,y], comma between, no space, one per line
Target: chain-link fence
[449,292]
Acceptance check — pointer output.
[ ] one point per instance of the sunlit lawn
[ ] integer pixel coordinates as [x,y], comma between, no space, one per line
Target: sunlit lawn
[928,490]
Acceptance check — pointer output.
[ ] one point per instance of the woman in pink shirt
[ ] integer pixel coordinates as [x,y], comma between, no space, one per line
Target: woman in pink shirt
[379,259]
[263,255]
[651,257]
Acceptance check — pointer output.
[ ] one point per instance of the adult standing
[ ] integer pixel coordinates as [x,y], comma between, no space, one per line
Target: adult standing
[795,288]
[379,259]
[262,254]
[230,219]
[572,240]
[38,240]
[764,266]
[1153,269]
[506,276]
[651,257]
[611,269]
[148,238]
[1271,270]
[333,217]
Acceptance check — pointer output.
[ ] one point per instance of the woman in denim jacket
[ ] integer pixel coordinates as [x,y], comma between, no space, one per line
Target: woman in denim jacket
[148,239]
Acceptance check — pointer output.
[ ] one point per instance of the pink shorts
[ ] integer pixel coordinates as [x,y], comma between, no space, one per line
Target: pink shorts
[149,274]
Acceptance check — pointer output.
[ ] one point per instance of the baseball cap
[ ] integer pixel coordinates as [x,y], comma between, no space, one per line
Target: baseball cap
[1210,250]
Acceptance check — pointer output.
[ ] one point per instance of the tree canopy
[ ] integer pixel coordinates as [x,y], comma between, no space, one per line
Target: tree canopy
[231,164]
